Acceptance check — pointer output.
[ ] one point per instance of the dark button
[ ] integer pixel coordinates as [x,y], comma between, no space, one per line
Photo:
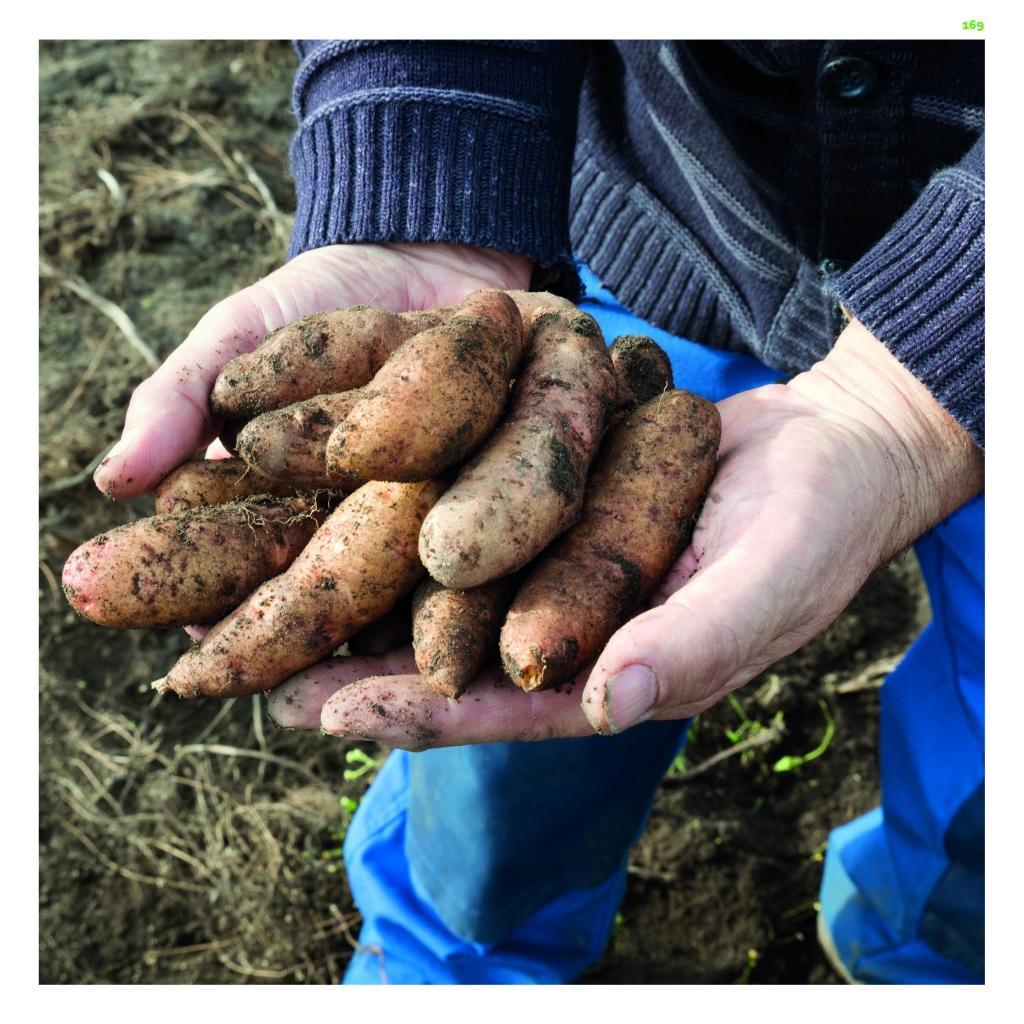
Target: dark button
[848,78]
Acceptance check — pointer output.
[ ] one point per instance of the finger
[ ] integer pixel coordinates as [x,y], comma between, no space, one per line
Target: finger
[401,712]
[296,703]
[168,417]
[680,657]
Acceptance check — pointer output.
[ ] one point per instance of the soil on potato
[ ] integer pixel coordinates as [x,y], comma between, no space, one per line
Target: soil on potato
[193,842]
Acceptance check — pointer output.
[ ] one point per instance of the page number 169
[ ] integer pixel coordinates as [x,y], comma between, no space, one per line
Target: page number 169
[973,26]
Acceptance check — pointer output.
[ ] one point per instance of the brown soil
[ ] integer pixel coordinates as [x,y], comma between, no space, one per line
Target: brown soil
[189,841]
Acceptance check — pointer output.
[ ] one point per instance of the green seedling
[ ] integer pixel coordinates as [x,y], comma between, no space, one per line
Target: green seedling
[365,764]
[362,765]
[752,957]
[792,761]
[748,729]
[747,725]
[348,808]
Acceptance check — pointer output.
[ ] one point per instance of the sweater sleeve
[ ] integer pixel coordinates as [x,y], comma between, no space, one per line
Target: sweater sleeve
[921,290]
[441,141]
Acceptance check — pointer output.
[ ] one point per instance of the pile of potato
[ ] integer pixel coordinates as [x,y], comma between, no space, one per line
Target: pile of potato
[530,483]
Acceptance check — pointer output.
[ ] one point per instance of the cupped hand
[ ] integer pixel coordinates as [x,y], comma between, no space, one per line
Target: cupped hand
[819,482]
[169,419]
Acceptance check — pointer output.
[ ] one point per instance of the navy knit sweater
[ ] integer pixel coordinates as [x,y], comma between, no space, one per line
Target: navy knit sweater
[735,193]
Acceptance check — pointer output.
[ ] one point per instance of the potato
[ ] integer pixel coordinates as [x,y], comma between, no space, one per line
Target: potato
[532,305]
[435,400]
[188,567]
[526,485]
[454,631]
[642,370]
[290,444]
[318,354]
[214,482]
[354,570]
[642,501]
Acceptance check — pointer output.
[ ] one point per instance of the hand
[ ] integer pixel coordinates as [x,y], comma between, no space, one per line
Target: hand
[169,419]
[819,482]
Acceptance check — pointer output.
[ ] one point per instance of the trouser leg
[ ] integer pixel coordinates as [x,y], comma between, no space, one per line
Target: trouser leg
[903,890]
[500,863]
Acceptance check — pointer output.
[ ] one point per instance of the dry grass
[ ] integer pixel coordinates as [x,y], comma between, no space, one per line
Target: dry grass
[223,852]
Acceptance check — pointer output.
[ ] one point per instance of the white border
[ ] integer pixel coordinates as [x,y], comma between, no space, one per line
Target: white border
[188,19]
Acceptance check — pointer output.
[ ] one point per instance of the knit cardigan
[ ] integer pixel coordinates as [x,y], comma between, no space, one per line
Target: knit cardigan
[745,194]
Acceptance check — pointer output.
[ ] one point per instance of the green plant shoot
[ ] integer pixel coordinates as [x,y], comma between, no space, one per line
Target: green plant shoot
[365,764]
[791,761]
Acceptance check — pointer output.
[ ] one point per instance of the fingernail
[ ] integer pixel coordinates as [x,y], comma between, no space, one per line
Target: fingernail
[121,448]
[119,451]
[629,697]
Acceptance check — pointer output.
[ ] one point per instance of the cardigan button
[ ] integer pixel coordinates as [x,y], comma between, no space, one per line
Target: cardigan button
[850,79]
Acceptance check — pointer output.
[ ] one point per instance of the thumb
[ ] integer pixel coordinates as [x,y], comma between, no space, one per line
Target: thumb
[678,659]
[169,418]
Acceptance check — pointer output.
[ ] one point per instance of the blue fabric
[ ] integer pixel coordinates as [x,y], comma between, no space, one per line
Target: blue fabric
[439,141]
[710,372]
[546,819]
[953,922]
[903,888]
[405,941]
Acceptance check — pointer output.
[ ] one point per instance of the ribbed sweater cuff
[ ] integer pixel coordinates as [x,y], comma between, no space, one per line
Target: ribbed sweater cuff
[921,292]
[476,175]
